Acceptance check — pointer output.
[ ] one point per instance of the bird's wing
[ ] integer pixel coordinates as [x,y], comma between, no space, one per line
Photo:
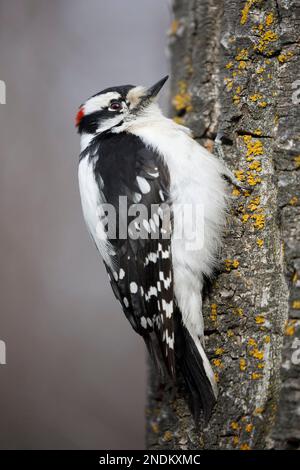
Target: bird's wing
[141,269]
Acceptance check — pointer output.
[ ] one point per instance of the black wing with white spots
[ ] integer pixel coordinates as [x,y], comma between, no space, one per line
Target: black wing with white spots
[141,267]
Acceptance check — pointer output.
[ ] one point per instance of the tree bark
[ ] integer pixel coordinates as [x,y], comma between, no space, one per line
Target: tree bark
[236,70]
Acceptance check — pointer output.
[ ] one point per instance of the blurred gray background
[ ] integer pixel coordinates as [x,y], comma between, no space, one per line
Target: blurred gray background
[75,375]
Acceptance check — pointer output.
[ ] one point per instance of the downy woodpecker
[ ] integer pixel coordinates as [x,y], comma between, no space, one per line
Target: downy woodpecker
[131,152]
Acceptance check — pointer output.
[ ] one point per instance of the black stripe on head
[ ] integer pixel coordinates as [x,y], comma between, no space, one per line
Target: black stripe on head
[89,123]
[123,90]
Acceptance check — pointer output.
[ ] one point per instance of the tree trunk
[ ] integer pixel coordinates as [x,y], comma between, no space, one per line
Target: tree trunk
[236,70]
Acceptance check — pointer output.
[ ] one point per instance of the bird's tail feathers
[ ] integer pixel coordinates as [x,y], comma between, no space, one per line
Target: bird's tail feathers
[192,364]
[197,373]
[156,354]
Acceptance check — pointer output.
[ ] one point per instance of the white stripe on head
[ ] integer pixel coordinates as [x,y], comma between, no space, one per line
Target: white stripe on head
[98,102]
[109,123]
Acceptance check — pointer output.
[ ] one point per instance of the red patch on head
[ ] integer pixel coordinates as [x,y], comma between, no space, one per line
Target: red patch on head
[79,116]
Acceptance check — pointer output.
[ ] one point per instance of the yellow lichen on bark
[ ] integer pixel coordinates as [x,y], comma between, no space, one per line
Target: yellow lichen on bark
[245,10]
[182,101]
[290,328]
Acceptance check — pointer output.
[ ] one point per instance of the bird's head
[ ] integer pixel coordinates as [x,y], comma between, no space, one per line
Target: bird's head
[114,106]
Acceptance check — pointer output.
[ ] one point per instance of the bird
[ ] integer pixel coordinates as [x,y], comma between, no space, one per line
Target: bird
[138,173]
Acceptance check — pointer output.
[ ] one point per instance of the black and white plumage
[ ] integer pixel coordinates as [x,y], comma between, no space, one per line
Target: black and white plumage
[131,153]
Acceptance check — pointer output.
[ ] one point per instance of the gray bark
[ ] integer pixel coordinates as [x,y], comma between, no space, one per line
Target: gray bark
[235,66]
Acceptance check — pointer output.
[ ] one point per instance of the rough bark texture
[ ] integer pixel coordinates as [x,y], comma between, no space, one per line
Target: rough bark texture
[235,68]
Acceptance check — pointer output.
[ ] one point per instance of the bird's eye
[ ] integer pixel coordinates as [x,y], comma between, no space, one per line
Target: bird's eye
[115,106]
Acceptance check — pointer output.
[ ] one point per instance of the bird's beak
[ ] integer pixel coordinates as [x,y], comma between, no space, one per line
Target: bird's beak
[155,89]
